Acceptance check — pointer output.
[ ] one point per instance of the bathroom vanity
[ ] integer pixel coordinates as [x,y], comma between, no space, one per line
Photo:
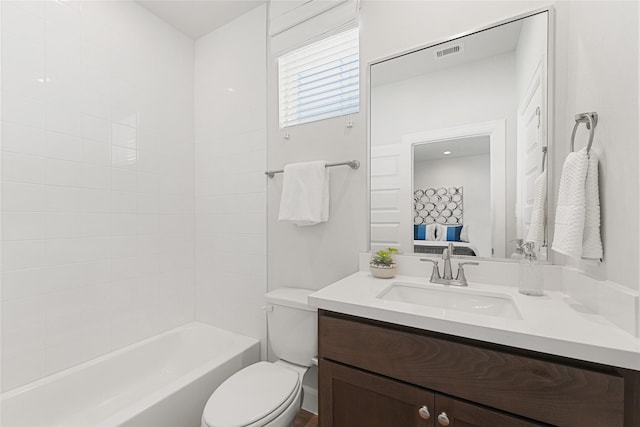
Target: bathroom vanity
[388,362]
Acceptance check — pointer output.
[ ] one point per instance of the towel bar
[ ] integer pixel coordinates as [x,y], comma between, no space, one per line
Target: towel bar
[353,164]
[591,119]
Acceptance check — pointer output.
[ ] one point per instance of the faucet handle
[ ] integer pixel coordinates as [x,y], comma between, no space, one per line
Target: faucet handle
[435,273]
[468,263]
[461,277]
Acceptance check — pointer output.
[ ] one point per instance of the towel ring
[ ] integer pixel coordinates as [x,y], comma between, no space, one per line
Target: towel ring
[591,119]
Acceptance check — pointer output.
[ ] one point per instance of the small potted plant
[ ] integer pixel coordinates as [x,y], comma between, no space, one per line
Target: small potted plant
[383,264]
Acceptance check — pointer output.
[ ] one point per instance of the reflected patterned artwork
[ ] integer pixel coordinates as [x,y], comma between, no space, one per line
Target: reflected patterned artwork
[438,206]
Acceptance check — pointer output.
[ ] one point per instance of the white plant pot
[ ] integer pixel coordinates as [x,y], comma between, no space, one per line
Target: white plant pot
[383,272]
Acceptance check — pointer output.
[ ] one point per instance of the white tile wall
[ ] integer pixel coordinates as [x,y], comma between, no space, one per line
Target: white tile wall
[97,182]
[230,160]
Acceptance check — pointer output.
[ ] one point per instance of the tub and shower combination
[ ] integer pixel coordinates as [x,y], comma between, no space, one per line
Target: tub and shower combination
[163,381]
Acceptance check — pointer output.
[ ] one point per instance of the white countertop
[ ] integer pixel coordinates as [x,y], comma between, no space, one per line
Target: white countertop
[551,324]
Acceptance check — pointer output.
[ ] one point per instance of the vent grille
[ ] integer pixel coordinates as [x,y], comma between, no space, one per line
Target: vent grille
[451,50]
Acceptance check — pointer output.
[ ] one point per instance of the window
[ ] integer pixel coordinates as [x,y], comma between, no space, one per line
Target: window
[320,80]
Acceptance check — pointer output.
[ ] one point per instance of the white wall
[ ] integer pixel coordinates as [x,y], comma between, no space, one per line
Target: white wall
[97,182]
[474,175]
[601,74]
[475,92]
[315,256]
[230,160]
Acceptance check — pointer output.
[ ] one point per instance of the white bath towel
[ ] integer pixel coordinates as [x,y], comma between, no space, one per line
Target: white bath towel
[574,235]
[305,193]
[539,212]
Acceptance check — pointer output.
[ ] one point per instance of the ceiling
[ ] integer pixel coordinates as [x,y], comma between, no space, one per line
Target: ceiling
[460,147]
[200,17]
[476,46]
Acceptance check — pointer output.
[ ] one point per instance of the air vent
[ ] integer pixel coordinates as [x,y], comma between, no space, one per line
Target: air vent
[451,50]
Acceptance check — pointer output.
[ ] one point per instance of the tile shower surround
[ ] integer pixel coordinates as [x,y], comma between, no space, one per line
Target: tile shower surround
[97,182]
[230,185]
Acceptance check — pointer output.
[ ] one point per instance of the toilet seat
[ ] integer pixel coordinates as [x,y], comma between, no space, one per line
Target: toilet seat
[266,390]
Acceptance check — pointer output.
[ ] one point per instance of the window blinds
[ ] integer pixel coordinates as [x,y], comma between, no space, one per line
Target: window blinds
[320,80]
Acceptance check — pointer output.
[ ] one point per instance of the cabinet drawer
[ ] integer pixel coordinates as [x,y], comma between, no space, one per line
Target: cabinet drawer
[550,392]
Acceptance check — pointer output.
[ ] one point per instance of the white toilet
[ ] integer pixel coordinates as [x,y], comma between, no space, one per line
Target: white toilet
[270,394]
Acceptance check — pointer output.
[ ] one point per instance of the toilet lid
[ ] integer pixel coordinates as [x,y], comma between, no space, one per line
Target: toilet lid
[250,395]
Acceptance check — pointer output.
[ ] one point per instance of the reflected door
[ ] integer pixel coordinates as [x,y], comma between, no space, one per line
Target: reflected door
[388,199]
[530,146]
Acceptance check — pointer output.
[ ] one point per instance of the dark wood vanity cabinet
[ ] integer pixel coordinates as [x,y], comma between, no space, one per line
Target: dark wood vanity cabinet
[375,374]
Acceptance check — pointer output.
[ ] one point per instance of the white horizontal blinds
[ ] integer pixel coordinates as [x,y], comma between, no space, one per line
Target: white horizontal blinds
[321,80]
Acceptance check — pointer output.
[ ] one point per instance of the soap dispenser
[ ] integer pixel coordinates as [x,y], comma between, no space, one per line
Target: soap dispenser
[531,279]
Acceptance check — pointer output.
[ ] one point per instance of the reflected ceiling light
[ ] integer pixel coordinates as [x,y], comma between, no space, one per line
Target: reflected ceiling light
[446,153]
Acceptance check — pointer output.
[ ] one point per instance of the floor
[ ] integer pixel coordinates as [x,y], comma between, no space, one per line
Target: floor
[306,419]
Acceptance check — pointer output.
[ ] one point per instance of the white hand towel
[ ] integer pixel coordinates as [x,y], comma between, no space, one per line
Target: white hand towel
[539,212]
[591,241]
[570,209]
[305,193]
[577,232]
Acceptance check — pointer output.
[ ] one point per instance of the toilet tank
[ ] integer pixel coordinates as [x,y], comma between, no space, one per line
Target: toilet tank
[293,325]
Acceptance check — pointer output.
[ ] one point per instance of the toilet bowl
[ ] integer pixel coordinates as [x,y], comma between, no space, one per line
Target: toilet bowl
[270,394]
[263,394]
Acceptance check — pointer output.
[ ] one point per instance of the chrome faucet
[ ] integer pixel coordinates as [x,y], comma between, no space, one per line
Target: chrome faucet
[447,277]
[446,256]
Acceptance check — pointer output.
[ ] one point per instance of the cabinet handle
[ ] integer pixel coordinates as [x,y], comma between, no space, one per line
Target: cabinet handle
[443,420]
[424,412]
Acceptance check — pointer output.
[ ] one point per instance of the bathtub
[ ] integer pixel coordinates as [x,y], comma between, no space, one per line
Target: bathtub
[163,381]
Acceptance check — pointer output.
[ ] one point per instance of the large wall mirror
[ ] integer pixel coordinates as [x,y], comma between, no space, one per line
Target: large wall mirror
[458,143]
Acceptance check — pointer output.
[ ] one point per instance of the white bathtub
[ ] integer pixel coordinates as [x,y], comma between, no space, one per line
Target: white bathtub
[163,381]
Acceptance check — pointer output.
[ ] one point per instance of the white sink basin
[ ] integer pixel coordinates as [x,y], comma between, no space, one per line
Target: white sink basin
[456,299]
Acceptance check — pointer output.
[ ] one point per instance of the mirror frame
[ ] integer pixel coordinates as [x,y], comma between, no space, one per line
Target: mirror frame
[549,131]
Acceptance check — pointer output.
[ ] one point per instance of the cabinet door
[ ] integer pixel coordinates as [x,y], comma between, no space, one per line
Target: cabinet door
[351,398]
[456,413]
